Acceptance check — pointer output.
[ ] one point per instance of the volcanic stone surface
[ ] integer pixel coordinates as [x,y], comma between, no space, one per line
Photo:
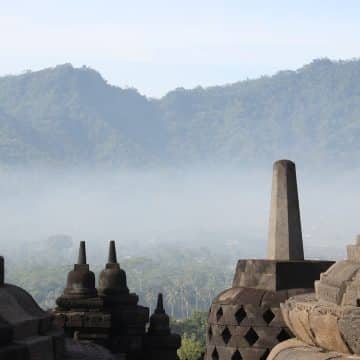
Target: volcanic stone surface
[26,331]
[285,237]
[245,321]
[295,349]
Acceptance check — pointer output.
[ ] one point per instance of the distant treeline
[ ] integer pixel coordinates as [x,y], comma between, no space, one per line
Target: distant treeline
[188,280]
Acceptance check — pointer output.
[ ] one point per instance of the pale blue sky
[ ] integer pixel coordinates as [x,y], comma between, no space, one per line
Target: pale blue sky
[157,45]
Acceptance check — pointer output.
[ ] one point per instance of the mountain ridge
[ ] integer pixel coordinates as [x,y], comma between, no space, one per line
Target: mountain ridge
[70,116]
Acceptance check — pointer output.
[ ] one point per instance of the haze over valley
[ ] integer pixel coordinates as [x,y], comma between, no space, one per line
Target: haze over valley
[186,177]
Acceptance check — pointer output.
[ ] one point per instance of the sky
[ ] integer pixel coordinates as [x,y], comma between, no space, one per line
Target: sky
[156,46]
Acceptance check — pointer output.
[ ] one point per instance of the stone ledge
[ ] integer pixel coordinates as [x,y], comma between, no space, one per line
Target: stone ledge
[274,275]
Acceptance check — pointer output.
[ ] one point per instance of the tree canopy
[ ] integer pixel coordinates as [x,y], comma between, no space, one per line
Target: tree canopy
[69,116]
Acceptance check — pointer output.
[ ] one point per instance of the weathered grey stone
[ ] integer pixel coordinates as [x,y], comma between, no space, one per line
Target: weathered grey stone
[351,294]
[285,238]
[80,282]
[272,298]
[38,347]
[340,272]
[268,336]
[323,324]
[276,275]
[160,343]
[97,320]
[339,280]
[329,293]
[294,349]
[246,320]
[88,351]
[19,310]
[254,353]
[26,331]
[300,321]
[255,273]
[349,326]
[285,346]
[325,328]
[110,315]
[278,318]
[254,316]
[247,296]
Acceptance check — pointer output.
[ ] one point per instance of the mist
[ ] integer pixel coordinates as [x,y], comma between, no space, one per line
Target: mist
[223,211]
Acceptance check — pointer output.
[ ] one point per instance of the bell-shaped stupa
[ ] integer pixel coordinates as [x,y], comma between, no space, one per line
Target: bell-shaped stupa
[245,321]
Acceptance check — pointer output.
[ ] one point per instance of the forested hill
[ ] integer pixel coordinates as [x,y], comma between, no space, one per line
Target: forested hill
[71,116]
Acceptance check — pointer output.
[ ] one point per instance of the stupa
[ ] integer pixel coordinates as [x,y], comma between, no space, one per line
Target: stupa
[245,321]
[26,331]
[160,343]
[128,319]
[79,309]
[110,315]
[326,323]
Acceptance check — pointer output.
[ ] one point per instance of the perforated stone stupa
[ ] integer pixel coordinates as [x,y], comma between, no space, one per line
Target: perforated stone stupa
[245,321]
[327,322]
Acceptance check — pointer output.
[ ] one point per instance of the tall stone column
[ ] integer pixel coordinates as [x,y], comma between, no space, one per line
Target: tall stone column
[285,238]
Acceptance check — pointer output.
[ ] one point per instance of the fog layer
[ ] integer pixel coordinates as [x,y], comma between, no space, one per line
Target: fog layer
[222,210]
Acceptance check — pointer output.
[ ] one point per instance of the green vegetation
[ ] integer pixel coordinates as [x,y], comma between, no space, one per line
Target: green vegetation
[191,349]
[189,281]
[193,332]
[194,326]
[72,116]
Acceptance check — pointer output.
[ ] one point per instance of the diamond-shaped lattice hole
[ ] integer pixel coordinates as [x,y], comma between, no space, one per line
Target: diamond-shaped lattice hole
[236,355]
[251,336]
[226,335]
[283,335]
[215,355]
[265,355]
[240,315]
[210,333]
[219,314]
[268,316]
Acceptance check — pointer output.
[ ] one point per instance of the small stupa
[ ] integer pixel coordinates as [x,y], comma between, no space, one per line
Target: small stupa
[128,318]
[160,343]
[80,288]
[79,310]
[110,315]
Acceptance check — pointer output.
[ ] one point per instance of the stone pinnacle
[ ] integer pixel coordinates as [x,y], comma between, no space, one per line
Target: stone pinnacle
[112,253]
[285,237]
[82,254]
[160,305]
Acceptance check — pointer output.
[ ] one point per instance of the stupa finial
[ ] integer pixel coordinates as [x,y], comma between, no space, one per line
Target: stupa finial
[112,253]
[82,254]
[160,305]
